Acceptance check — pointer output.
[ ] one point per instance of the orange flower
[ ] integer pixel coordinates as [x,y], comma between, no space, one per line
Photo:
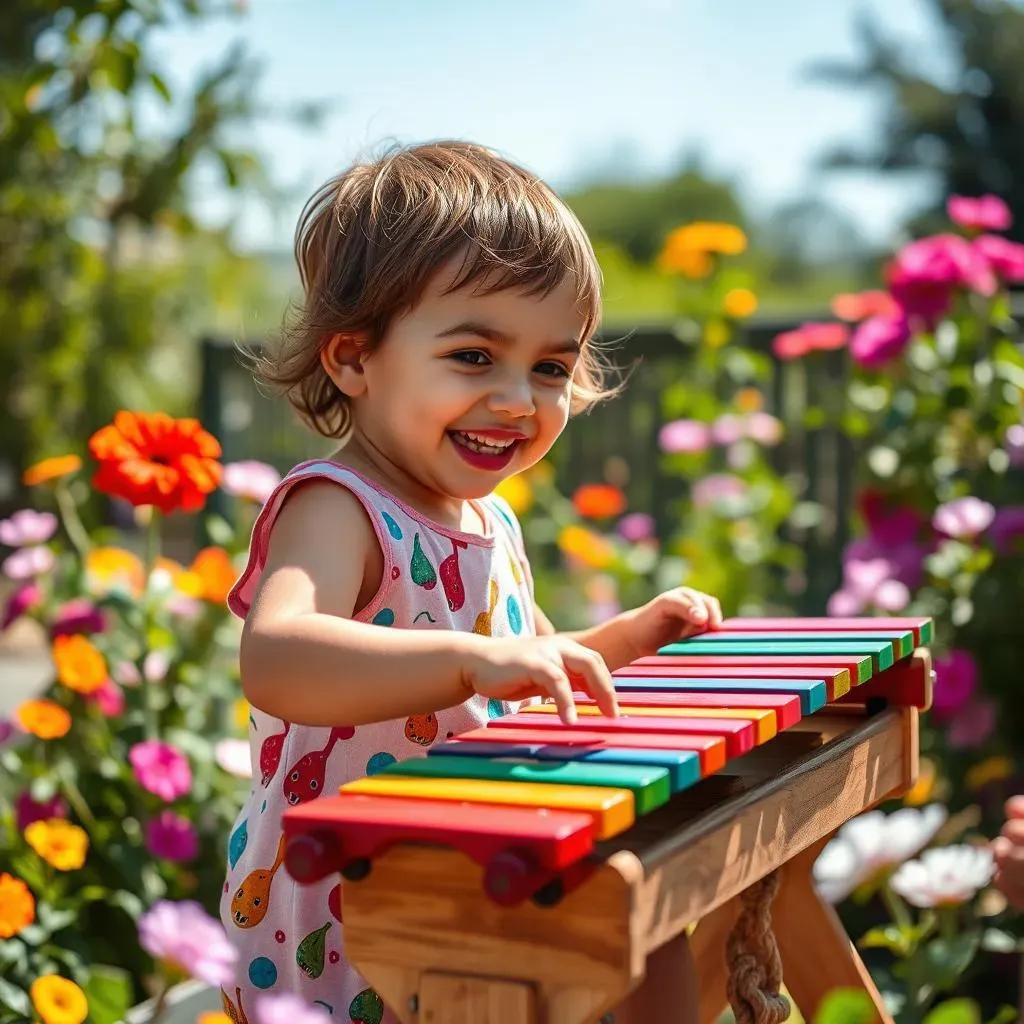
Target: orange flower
[586,547]
[51,469]
[60,843]
[152,459]
[43,718]
[598,501]
[58,1000]
[216,575]
[17,906]
[739,303]
[114,569]
[80,666]
[749,400]
[854,306]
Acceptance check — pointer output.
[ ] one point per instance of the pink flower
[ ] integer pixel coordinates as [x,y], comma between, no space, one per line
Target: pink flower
[171,837]
[1005,257]
[963,518]
[79,615]
[956,678]
[727,429]
[287,1008]
[1006,528]
[764,428]
[879,340]
[868,584]
[636,526]
[27,810]
[27,526]
[983,213]
[684,436]
[810,337]
[26,563]
[1014,443]
[717,487]
[250,479]
[161,769]
[974,724]
[6,730]
[925,275]
[184,936]
[109,698]
[27,596]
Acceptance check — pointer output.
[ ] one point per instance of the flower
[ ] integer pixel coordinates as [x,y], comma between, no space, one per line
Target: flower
[27,526]
[153,459]
[1007,526]
[184,937]
[926,273]
[516,490]
[80,666]
[684,436]
[984,213]
[868,583]
[161,769]
[1005,257]
[921,792]
[58,1000]
[944,877]
[956,679]
[856,306]
[22,598]
[585,546]
[109,698]
[26,563]
[810,337]
[739,303]
[60,843]
[599,501]
[171,837]
[963,518]
[213,568]
[868,846]
[79,615]
[27,810]
[287,1008]
[879,340]
[764,428]
[997,768]
[109,570]
[252,480]
[718,489]
[51,469]
[727,429]
[45,719]
[17,906]
[234,757]
[636,526]
[973,725]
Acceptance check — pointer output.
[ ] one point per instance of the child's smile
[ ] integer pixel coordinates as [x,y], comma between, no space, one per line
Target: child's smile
[491,449]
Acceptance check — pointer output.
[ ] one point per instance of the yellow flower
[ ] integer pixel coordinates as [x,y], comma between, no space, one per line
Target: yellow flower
[516,490]
[688,249]
[688,262]
[921,792]
[44,719]
[992,769]
[585,546]
[58,1000]
[739,303]
[51,469]
[213,1017]
[80,666]
[541,474]
[61,844]
[17,906]
[240,714]
[114,569]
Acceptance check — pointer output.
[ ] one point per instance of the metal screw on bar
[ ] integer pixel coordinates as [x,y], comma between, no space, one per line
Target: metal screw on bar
[414,1003]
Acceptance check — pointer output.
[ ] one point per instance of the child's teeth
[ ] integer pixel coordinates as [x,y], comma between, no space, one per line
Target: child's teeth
[477,443]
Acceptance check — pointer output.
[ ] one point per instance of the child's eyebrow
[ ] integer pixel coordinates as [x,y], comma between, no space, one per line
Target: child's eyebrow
[499,337]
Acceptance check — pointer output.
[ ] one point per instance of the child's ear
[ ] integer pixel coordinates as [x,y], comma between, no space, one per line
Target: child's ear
[342,359]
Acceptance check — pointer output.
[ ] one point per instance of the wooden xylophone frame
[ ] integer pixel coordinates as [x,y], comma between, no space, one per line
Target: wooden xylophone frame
[424,934]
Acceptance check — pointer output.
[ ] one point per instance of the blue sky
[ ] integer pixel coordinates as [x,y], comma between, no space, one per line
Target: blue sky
[561,85]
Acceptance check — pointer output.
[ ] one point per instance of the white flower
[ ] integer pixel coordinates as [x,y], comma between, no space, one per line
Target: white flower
[963,518]
[873,843]
[233,756]
[945,876]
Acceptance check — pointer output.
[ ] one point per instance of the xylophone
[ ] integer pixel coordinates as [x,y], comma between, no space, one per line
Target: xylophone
[525,871]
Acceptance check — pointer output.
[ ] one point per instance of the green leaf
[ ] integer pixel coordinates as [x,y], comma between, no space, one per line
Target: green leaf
[945,960]
[15,998]
[109,991]
[1004,1015]
[955,1011]
[846,1006]
[219,530]
[160,86]
[888,937]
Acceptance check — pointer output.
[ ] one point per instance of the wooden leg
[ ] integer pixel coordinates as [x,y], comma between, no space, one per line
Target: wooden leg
[817,954]
[460,999]
[708,945]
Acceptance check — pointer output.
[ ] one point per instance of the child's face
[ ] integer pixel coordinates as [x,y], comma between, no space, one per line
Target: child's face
[495,366]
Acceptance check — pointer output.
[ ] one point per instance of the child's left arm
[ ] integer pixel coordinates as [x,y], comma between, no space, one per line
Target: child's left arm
[638,633]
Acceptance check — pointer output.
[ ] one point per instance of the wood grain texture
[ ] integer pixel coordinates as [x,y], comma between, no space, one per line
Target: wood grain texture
[456,999]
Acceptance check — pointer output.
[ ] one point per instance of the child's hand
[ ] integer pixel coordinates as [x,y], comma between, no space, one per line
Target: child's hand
[1008,849]
[517,668]
[671,616]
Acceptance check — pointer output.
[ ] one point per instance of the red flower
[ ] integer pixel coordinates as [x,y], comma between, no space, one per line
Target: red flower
[153,459]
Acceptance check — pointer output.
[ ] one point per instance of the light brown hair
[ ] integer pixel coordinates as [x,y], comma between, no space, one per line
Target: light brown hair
[370,239]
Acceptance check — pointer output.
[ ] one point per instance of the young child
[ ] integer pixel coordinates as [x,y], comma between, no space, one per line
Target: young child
[1008,850]
[445,338]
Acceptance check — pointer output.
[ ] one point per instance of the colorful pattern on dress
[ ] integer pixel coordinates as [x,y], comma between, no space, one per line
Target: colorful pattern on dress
[291,937]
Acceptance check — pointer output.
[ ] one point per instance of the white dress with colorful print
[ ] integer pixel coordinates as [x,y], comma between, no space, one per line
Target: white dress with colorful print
[290,937]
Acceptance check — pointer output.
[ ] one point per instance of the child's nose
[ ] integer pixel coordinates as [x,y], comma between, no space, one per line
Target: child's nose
[513,397]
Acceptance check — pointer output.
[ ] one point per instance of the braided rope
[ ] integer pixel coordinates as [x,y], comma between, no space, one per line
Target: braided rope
[755,967]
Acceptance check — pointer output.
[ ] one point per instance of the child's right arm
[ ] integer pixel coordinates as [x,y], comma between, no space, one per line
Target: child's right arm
[304,659]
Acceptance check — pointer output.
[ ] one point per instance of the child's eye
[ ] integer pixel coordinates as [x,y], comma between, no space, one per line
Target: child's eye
[472,357]
[553,369]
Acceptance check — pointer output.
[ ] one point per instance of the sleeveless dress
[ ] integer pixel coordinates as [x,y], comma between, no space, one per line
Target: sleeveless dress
[290,937]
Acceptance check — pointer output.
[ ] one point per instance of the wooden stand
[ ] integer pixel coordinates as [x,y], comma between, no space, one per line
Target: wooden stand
[422,932]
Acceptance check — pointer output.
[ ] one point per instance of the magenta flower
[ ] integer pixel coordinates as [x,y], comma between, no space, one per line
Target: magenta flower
[287,1008]
[1005,257]
[897,534]
[171,837]
[963,518]
[27,526]
[1014,443]
[973,725]
[109,698]
[1006,528]
[684,436]
[956,679]
[79,615]
[27,810]
[250,479]
[27,596]
[981,213]
[183,936]
[636,526]
[880,340]
[27,563]
[161,769]
[925,275]
[6,730]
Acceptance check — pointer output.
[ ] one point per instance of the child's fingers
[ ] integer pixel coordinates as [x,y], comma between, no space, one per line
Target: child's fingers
[589,668]
[553,681]
[1015,806]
